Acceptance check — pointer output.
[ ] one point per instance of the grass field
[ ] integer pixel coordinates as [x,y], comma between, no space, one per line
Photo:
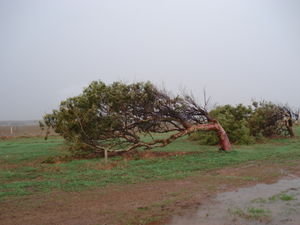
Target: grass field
[23,173]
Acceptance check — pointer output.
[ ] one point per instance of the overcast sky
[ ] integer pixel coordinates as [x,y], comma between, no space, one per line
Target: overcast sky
[237,49]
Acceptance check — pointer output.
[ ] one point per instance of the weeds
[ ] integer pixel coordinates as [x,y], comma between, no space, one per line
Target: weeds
[282,196]
[251,213]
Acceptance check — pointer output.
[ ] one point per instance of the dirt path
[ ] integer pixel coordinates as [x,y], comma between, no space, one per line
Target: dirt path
[262,204]
[146,203]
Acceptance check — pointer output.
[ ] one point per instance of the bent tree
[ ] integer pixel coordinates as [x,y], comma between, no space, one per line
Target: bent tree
[121,117]
[269,119]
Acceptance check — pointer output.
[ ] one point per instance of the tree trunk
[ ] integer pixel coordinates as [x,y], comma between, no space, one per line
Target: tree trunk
[289,127]
[223,138]
[105,155]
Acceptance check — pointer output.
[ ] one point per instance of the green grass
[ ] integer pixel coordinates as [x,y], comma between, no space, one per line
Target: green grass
[22,171]
[286,197]
[283,197]
[259,200]
[251,213]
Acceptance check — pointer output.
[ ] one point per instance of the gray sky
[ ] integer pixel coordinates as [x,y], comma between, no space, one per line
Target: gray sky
[237,49]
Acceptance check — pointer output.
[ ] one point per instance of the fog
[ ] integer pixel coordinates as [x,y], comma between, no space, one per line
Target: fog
[236,50]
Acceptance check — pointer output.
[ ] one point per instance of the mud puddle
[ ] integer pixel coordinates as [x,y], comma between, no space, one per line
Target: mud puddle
[271,204]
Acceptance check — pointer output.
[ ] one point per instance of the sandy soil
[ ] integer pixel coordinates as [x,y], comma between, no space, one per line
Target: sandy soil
[146,203]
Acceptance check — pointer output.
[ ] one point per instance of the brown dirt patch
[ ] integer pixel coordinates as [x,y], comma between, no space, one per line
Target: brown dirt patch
[132,155]
[146,203]
[152,154]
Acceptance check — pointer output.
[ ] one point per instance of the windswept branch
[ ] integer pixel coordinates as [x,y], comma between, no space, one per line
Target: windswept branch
[113,117]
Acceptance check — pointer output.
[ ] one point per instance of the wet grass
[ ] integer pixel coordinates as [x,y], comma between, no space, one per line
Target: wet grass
[22,171]
[283,197]
[251,213]
[286,197]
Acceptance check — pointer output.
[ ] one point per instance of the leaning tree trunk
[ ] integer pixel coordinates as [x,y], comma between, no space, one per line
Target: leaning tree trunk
[289,126]
[223,138]
[215,126]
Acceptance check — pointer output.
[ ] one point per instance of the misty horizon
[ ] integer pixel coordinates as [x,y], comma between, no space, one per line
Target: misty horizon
[236,50]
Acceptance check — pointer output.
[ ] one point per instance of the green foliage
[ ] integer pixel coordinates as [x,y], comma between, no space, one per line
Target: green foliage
[99,114]
[114,117]
[234,120]
[267,120]
[246,124]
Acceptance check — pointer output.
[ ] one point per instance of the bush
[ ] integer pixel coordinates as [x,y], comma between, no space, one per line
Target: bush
[269,119]
[247,124]
[234,119]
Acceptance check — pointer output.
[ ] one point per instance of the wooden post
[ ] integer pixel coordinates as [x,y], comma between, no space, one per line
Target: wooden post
[105,155]
[11,131]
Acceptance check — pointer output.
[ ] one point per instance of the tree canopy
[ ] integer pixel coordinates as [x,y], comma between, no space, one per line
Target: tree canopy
[114,118]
